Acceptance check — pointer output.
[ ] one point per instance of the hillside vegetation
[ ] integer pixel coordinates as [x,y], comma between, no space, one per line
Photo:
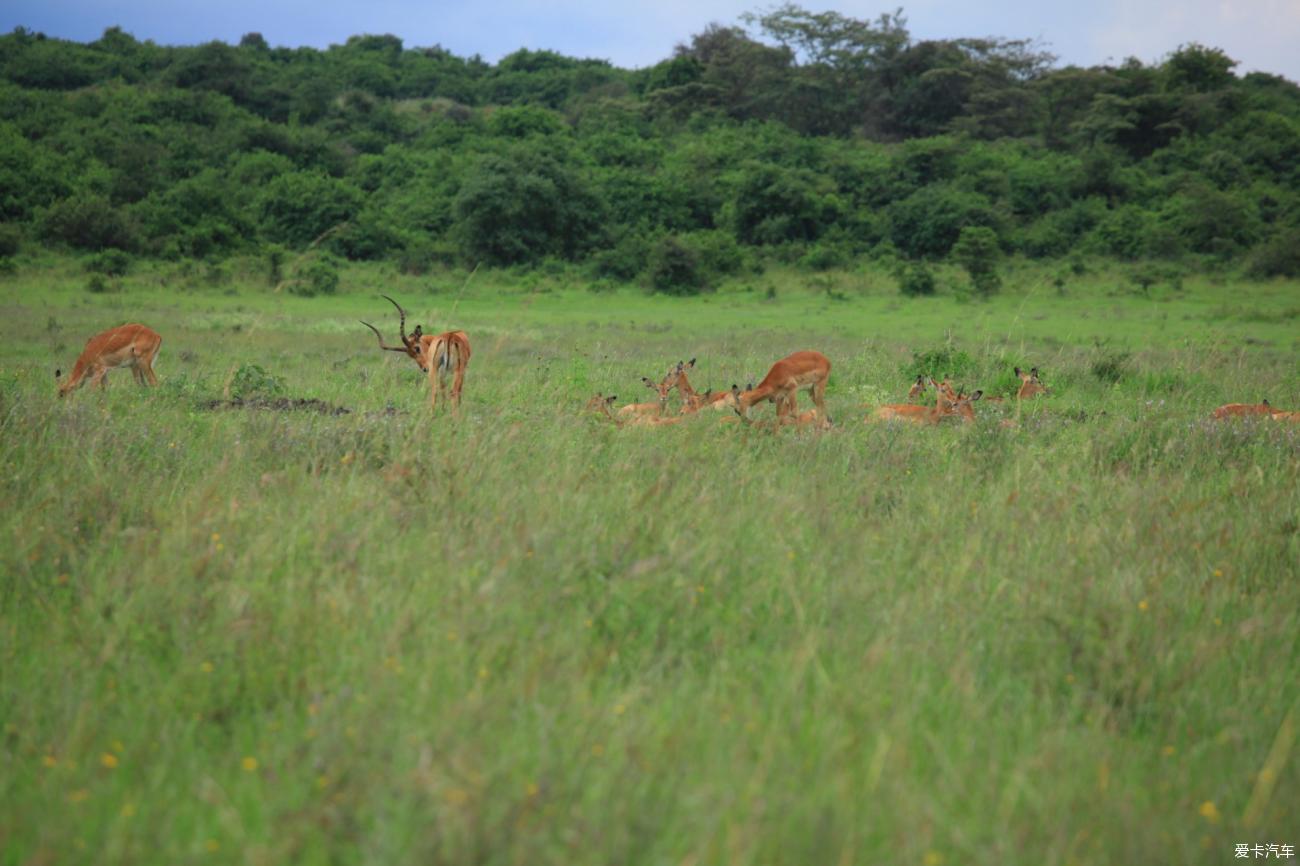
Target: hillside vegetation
[793,137]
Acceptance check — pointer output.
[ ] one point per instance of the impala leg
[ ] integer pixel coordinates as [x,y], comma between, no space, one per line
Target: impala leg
[99,378]
[457,383]
[137,374]
[818,394]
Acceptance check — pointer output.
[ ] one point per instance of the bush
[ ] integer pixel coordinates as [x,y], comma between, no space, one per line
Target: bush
[977,251]
[675,268]
[251,380]
[915,280]
[1277,257]
[928,222]
[941,361]
[110,263]
[11,240]
[87,222]
[1110,368]
[624,261]
[321,277]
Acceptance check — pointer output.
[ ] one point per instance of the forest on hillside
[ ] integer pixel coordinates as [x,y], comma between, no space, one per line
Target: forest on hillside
[792,136]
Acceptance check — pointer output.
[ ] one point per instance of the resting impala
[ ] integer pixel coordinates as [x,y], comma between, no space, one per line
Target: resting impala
[957,404]
[807,369]
[440,356]
[600,404]
[1242,410]
[693,401]
[653,409]
[1029,384]
[133,346]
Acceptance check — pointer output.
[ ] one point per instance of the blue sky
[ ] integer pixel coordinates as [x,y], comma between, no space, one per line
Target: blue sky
[1262,34]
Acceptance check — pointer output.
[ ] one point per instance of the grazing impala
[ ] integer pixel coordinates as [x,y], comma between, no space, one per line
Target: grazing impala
[440,356]
[807,369]
[133,346]
[1242,410]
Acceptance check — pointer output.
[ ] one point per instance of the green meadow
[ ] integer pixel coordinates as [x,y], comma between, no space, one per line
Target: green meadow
[232,634]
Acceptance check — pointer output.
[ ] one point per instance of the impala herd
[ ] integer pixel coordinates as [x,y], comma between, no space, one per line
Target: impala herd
[446,357]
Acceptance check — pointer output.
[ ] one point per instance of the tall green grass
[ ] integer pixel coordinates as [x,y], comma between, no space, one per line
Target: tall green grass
[524,636]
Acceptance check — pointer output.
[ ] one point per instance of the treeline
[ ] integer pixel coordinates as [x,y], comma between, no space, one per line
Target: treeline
[795,136]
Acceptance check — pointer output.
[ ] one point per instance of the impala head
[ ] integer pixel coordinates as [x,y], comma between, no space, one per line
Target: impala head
[944,388]
[662,389]
[917,389]
[962,408]
[601,405]
[65,385]
[1030,386]
[410,345]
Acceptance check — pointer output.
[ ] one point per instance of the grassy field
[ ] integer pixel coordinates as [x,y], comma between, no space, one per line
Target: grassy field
[524,636]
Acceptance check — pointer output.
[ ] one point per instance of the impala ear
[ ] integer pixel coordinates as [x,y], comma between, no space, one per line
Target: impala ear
[691,363]
[1265,399]
[976,395]
[1017,371]
[611,398]
[648,383]
[58,373]
[1033,371]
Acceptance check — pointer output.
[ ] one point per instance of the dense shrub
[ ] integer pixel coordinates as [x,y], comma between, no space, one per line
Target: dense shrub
[928,222]
[977,251]
[88,222]
[11,240]
[675,268]
[915,279]
[1279,256]
[319,277]
[110,263]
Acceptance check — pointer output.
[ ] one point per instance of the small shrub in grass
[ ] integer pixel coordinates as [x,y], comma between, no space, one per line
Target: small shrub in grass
[321,277]
[98,284]
[1111,367]
[8,267]
[110,263]
[940,361]
[915,280]
[252,380]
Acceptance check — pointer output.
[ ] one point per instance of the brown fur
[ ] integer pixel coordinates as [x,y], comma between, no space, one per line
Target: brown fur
[805,369]
[1242,410]
[133,346]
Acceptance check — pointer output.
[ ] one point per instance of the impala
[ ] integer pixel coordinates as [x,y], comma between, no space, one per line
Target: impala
[1029,384]
[806,369]
[957,404]
[133,346]
[1242,410]
[693,401]
[441,356]
[600,404]
[654,409]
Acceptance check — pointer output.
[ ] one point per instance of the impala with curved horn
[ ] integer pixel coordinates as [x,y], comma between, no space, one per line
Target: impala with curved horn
[440,356]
